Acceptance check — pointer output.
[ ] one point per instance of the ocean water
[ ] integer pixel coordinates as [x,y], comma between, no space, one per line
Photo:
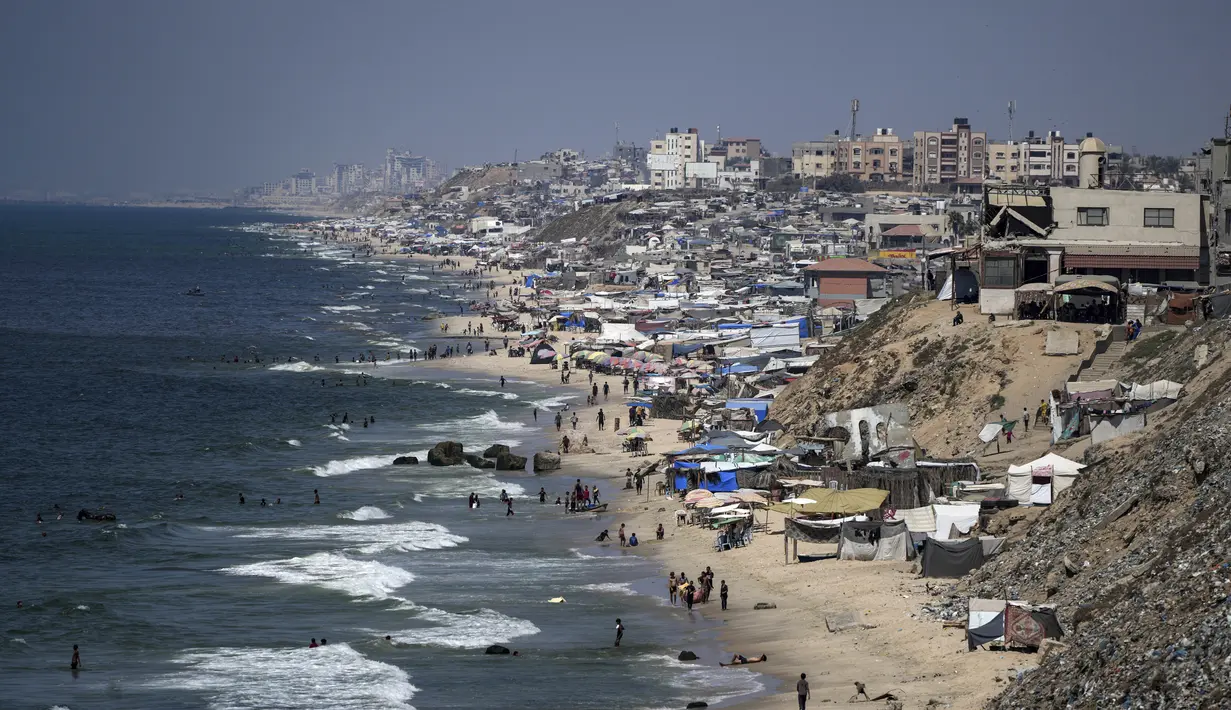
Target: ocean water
[121,391]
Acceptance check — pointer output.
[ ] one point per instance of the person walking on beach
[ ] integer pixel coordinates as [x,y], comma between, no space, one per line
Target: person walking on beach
[619,632]
[509,511]
[564,442]
[1026,420]
[722,594]
[502,382]
[672,591]
[574,420]
[623,539]
[606,390]
[802,690]
[559,420]
[602,419]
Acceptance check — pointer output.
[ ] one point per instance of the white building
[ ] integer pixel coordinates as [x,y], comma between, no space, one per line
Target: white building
[669,157]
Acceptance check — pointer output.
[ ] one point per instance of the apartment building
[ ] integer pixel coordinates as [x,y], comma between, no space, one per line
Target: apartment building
[875,158]
[670,154]
[814,159]
[1036,160]
[942,157]
[742,149]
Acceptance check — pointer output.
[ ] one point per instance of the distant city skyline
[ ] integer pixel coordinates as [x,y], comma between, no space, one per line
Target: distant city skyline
[111,98]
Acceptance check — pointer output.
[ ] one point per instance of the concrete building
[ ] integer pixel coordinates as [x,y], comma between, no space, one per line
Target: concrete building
[1213,181]
[670,154]
[409,173]
[842,280]
[875,158]
[943,157]
[814,159]
[1036,160]
[303,184]
[1040,235]
[348,179]
[742,149]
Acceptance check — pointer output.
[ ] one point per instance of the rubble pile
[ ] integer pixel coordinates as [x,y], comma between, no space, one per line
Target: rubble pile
[1137,558]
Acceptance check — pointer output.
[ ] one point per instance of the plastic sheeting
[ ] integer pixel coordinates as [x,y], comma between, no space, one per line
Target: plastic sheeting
[960,517]
[1162,389]
[951,559]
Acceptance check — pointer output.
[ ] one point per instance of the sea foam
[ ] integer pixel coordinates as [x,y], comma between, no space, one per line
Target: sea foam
[361,579]
[333,676]
[340,467]
[477,629]
[367,512]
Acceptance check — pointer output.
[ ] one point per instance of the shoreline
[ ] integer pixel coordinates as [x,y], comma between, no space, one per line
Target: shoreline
[898,651]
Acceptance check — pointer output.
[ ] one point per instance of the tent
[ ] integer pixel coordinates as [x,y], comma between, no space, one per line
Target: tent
[959,517]
[875,540]
[967,287]
[951,558]
[1027,484]
[543,354]
[984,622]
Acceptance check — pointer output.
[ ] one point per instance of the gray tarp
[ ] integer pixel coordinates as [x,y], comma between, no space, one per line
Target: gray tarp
[812,531]
[875,540]
[951,558]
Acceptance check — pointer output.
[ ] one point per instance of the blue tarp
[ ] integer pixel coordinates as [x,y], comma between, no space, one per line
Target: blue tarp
[686,464]
[735,326]
[759,407]
[681,482]
[530,280]
[803,326]
[726,481]
[680,349]
[738,369]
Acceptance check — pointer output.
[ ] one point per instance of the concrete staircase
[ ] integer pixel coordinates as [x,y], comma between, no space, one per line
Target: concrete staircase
[1105,365]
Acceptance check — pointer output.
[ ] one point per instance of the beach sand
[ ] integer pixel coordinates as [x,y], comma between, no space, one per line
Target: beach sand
[919,661]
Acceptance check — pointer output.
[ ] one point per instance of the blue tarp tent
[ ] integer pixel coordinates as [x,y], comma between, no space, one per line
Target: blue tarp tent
[681,482]
[738,369]
[803,326]
[681,349]
[720,481]
[759,407]
[529,283]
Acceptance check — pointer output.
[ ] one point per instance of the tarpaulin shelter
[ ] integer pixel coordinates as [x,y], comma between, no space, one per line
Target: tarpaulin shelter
[1039,481]
[543,354]
[875,540]
[829,501]
[951,558]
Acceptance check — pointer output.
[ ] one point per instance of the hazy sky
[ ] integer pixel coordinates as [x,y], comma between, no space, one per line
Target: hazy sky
[112,95]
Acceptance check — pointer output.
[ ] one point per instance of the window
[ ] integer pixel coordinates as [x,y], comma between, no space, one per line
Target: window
[1070,155]
[1000,155]
[1070,168]
[949,141]
[893,151]
[978,141]
[893,167]
[876,164]
[856,151]
[948,155]
[1039,154]
[1000,272]
[978,155]
[856,165]
[931,141]
[1013,168]
[1092,216]
[1160,217]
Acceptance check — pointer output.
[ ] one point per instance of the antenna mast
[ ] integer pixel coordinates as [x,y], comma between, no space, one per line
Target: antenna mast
[1012,111]
[854,114]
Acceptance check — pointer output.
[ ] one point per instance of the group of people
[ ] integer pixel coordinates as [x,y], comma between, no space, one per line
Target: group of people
[626,540]
[682,589]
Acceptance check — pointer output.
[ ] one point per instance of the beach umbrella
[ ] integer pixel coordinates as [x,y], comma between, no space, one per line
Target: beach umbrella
[635,432]
[697,494]
[641,355]
[655,357]
[596,356]
[709,503]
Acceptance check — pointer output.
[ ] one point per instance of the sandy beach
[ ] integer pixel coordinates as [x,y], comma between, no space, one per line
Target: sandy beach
[918,660]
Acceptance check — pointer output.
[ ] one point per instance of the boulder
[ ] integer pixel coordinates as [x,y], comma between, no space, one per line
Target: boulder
[494,451]
[760,606]
[546,461]
[446,453]
[406,461]
[510,462]
[697,704]
[479,461]
[496,650]
[687,656]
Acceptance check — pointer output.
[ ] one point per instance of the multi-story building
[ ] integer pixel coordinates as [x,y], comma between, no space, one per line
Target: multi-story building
[1035,160]
[875,158]
[408,173]
[303,183]
[814,159]
[1213,181]
[943,157]
[742,149]
[670,154]
[348,179]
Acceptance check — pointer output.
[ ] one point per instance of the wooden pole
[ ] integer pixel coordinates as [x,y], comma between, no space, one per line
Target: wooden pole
[786,554]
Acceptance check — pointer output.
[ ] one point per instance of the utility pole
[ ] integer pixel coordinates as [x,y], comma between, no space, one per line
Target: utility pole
[1012,111]
[854,115]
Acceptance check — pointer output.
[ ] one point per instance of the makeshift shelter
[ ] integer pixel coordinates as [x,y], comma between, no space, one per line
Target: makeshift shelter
[959,518]
[831,502]
[951,558]
[984,622]
[875,540]
[542,354]
[1039,481]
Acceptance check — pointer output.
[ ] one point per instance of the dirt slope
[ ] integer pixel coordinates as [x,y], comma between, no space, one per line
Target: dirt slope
[953,379]
[1138,551]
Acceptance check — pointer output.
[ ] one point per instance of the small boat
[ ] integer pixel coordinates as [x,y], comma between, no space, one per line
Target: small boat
[594,509]
[194,291]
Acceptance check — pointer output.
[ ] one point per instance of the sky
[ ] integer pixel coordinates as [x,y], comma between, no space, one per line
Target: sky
[212,95]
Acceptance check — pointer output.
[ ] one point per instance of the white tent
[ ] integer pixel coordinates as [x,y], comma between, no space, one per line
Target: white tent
[1062,471]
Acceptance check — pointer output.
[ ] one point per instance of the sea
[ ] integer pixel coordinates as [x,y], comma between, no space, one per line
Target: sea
[122,391]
